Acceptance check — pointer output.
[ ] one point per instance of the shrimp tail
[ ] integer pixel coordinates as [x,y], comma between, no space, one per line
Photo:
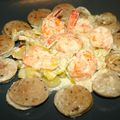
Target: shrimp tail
[73,19]
[56,13]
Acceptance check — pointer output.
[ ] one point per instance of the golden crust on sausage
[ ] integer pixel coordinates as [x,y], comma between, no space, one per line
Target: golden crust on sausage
[73,100]
[107,83]
[6,45]
[35,16]
[8,69]
[28,92]
[17,25]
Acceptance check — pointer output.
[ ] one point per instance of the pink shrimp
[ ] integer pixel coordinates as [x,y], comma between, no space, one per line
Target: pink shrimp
[83,25]
[69,34]
[52,24]
[68,43]
[77,24]
[101,37]
[73,19]
[83,66]
[66,34]
[55,29]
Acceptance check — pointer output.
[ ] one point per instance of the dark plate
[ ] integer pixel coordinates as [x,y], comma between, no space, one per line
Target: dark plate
[103,109]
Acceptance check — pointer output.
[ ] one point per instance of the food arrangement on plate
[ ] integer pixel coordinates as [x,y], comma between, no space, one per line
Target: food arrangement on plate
[68,50]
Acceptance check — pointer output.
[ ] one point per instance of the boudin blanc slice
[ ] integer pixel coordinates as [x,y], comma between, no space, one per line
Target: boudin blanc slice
[109,20]
[27,92]
[107,83]
[35,16]
[6,45]
[73,100]
[113,61]
[13,25]
[8,69]
[116,41]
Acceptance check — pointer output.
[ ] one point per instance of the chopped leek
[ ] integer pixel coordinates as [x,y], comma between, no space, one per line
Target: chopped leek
[53,83]
[28,72]
[18,52]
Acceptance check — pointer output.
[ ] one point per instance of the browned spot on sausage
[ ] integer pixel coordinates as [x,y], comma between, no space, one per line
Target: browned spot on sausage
[75,109]
[26,99]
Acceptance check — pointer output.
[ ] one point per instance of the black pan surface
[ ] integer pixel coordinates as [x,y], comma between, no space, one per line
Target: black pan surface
[103,109]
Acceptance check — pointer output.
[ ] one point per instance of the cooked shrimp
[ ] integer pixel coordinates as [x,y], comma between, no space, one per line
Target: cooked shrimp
[65,42]
[73,19]
[38,58]
[77,24]
[52,24]
[83,25]
[101,37]
[83,66]
[68,43]
[67,36]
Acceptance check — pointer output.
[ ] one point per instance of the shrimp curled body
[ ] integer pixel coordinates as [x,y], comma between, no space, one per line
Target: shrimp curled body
[83,66]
